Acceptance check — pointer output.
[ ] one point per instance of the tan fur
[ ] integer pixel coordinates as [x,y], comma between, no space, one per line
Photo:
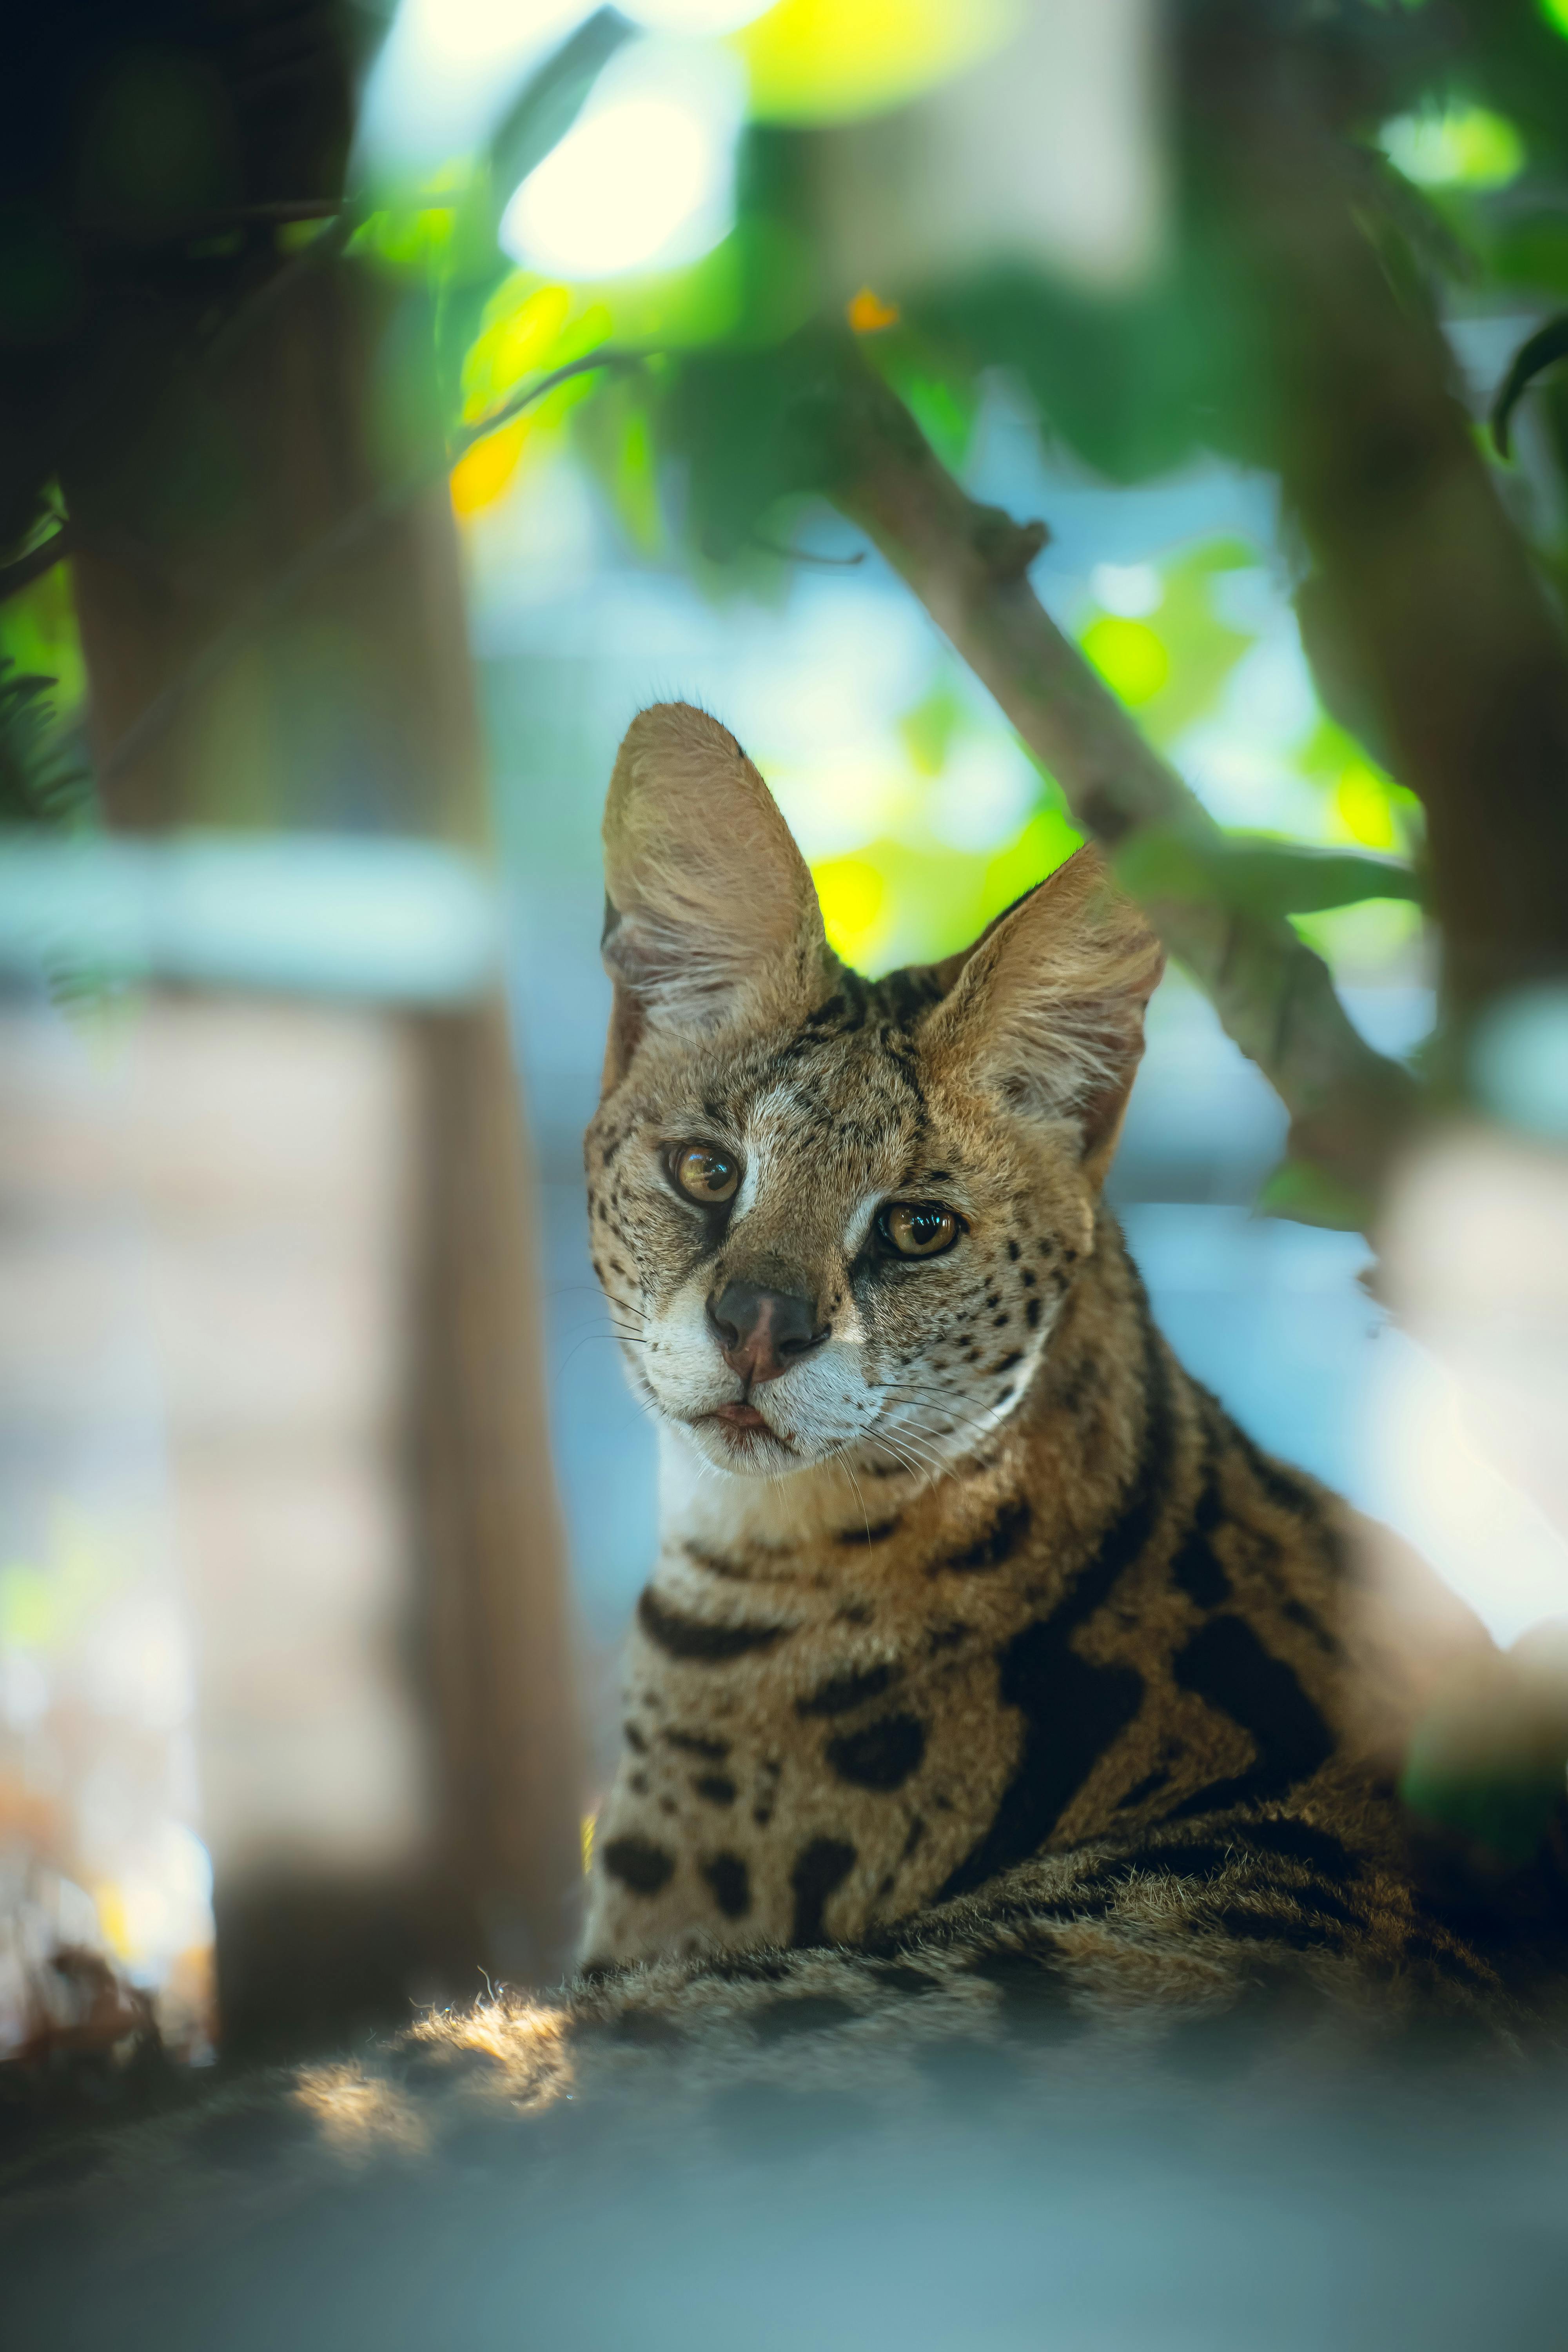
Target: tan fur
[999,1582]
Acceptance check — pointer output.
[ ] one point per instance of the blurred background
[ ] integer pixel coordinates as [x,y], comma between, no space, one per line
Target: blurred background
[392,402]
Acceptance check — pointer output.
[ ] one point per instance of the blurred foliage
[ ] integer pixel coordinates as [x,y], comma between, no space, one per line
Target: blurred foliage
[711,454]
[711,451]
[44,778]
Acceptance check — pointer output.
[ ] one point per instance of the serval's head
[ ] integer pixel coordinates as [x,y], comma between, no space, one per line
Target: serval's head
[834,1216]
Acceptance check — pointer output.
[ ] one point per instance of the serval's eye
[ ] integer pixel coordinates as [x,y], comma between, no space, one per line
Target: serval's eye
[917,1228]
[704,1175]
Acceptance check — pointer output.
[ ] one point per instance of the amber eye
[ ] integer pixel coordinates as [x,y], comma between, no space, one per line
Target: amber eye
[704,1175]
[919,1228]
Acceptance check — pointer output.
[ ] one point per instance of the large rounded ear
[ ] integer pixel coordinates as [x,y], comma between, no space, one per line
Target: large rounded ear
[1045,1009]
[709,912]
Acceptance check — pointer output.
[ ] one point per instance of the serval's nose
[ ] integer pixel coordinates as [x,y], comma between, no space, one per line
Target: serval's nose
[760,1333]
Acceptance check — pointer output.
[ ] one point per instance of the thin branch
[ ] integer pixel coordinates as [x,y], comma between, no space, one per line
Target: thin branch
[615,362]
[1350,1106]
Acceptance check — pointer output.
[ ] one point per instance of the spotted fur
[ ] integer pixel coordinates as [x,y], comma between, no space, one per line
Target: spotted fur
[1001,1629]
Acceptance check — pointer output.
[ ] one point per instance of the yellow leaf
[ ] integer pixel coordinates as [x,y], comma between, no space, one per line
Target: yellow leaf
[1363,807]
[1129,656]
[483,472]
[869,314]
[827,61]
[850,893]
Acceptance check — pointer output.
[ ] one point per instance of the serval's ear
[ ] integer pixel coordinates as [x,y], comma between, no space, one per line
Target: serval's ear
[1045,1009]
[709,913]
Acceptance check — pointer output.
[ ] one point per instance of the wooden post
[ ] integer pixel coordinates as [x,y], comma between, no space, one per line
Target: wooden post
[350,705]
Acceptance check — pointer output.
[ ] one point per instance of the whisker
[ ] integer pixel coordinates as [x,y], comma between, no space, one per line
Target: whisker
[849,1471]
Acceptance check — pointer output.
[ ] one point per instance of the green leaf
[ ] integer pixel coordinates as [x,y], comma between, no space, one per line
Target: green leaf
[1253,875]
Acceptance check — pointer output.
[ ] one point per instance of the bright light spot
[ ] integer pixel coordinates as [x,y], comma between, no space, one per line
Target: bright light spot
[1556,14]
[850,893]
[1270,696]
[530,2048]
[827,61]
[161,1904]
[447,71]
[986,793]
[1365,807]
[644,177]
[360,2114]
[1133,591]
[1129,656]
[1466,147]
[840,802]
[694,15]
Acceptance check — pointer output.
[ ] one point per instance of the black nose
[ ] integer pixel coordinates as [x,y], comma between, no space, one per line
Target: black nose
[761,1333]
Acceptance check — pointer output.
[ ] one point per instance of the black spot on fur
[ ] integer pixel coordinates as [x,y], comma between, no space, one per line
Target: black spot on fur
[1195,1566]
[878,1532]
[633,1739]
[999,1542]
[730,1881]
[1298,1612]
[1035,2001]
[820,1869]
[897,1978]
[714,1563]
[807,2012]
[1301,1842]
[638,1864]
[880,1757]
[1301,1933]
[840,1692]
[748,1967]
[1146,1787]
[692,1743]
[1285,1488]
[1451,1959]
[715,1788]
[1226,1665]
[1032,1314]
[680,1636]
[1073,1710]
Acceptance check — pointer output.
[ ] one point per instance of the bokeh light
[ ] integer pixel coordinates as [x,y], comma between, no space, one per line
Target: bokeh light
[644,177]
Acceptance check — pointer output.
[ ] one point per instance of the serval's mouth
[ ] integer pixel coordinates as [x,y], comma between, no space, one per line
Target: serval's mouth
[743,1429]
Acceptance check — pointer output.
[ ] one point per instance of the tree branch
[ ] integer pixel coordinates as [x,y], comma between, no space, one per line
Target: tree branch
[1350,1108]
